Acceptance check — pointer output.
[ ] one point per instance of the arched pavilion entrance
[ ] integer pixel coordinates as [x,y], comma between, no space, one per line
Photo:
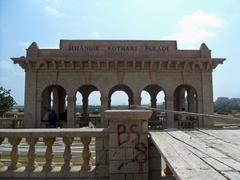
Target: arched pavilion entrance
[117,65]
[185,98]
[85,115]
[53,98]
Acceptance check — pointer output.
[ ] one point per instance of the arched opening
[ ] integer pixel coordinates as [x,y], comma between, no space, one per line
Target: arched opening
[119,100]
[161,104]
[185,99]
[78,110]
[154,96]
[54,99]
[145,98]
[121,96]
[87,106]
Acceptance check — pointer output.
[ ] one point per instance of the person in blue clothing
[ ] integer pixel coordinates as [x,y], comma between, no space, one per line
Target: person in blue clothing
[52,119]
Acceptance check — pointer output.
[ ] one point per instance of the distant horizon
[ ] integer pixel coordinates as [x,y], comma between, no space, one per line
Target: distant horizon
[141,104]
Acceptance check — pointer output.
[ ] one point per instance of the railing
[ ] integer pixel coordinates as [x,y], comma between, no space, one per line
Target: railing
[11,122]
[32,136]
[81,121]
[183,119]
[159,122]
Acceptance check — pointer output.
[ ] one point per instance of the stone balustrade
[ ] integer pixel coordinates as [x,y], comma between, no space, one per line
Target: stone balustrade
[48,169]
[122,151]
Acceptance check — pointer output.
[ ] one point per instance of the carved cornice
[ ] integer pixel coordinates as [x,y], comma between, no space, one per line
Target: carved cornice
[111,65]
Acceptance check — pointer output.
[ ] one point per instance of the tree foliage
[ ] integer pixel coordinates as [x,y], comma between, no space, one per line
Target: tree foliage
[6,100]
[224,105]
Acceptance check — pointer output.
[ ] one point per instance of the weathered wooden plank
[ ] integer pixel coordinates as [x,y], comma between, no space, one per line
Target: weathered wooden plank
[175,163]
[183,163]
[232,175]
[220,145]
[205,149]
[227,135]
[219,124]
[212,162]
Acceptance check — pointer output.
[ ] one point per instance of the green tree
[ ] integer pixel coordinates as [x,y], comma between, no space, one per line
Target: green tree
[6,100]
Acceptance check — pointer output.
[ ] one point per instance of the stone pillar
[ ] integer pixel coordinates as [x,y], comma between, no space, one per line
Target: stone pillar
[181,99]
[137,98]
[30,99]
[45,102]
[85,104]
[191,101]
[200,110]
[39,113]
[62,100]
[207,98]
[170,106]
[55,92]
[154,105]
[71,112]
[104,107]
[130,100]
[128,144]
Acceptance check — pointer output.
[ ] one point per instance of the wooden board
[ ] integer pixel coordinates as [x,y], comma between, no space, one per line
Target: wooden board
[182,162]
[200,154]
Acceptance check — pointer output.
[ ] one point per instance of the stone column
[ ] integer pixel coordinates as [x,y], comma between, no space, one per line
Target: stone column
[85,104]
[30,99]
[181,100]
[39,113]
[200,110]
[71,112]
[170,106]
[154,105]
[128,144]
[104,107]
[62,101]
[137,98]
[207,99]
[191,101]
[55,92]
[130,101]
[45,102]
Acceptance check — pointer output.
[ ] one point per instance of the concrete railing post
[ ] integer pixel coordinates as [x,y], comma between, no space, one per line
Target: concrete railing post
[128,144]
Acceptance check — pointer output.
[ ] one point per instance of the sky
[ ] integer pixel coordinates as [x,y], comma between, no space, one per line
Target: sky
[190,22]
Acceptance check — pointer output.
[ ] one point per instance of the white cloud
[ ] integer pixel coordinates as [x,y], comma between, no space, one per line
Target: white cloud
[52,11]
[200,20]
[95,35]
[197,28]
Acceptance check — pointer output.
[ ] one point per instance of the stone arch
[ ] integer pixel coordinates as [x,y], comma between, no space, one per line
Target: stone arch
[185,96]
[53,97]
[153,90]
[85,91]
[124,88]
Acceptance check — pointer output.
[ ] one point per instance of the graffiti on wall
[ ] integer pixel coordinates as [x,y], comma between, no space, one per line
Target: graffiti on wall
[124,136]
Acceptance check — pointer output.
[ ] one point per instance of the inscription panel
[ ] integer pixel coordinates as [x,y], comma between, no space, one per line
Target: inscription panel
[117,48]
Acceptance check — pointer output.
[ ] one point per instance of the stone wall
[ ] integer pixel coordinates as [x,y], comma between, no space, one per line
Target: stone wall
[128,144]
